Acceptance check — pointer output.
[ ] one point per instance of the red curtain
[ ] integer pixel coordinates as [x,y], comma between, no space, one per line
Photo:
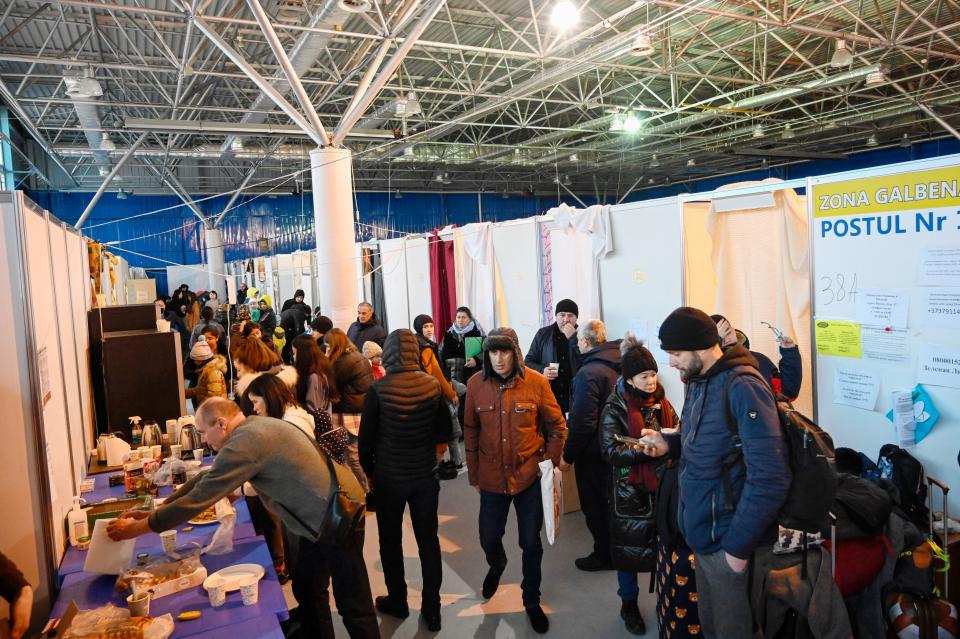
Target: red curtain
[443,284]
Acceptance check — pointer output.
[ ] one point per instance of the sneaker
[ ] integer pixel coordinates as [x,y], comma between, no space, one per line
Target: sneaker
[538,620]
[592,563]
[492,581]
[630,613]
[388,606]
[431,619]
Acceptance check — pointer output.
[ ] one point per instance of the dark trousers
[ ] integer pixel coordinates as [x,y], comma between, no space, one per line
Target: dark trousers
[494,508]
[423,497]
[269,525]
[319,564]
[592,488]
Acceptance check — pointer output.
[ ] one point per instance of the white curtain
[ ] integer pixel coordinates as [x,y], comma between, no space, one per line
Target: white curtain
[579,239]
[761,259]
[478,281]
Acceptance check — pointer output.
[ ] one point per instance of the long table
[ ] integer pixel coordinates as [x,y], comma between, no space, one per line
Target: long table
[230,621]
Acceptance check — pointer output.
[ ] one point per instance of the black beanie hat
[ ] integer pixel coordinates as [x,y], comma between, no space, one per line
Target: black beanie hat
[635,357]
[567,306]
[688,329]
[419,321]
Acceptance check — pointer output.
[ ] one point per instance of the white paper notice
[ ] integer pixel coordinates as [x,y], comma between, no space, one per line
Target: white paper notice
[941,307]
[940,266]
[856,389]
[886,344]
[883,307]
[939,365]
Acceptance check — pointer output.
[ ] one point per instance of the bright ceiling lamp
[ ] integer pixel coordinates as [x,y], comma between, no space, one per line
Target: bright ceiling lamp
[617,123]
[905,141]
[872,140]
[842,56]
[654,162]
[631,123]
[574,157]
[642,45]
[691,163]
[788,133]
[758,131]
[564,15]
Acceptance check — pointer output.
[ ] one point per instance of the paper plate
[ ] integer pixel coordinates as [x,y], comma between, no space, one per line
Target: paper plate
[234,574]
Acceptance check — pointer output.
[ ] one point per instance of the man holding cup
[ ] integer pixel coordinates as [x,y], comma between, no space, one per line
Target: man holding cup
[554,352]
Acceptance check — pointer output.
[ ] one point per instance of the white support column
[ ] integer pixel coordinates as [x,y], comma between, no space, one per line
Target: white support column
[213,240]
[333,227]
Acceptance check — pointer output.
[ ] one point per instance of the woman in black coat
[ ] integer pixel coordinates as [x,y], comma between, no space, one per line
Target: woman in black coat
[353,377]
[637,402]
[453,350]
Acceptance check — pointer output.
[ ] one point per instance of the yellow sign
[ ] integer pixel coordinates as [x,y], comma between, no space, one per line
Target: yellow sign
[932,189]
[840,339]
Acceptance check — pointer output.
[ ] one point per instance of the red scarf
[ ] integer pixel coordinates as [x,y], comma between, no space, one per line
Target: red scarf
[644,474]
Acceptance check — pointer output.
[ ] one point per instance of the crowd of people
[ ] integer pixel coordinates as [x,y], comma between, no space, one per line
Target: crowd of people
[403,410]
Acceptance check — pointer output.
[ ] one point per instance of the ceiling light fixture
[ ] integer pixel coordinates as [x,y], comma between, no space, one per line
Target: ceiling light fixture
[632,123]
[566,180]
[691,163]
[504,195]
[413,105]
[758,131]
[764,164]
[905,141]
[564,15]
[788,133]
[872,140]
[642,45]
[121,194]
[397,195]
[106,144]
[654,162]
[841,56]
[574,157]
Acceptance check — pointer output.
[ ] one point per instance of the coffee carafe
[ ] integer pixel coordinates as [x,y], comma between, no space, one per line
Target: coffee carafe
[189,436]
[151,434]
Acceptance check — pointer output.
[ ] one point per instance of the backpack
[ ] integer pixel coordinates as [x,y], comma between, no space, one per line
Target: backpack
[810,455]
[906,473]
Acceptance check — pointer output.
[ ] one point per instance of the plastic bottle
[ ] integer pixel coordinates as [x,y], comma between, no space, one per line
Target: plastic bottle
[77,524]
[136,432]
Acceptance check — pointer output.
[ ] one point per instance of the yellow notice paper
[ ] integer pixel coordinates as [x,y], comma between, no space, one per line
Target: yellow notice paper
[840,339]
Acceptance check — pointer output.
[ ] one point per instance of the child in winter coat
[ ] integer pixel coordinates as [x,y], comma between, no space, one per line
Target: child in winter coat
[211,377]
[374,355]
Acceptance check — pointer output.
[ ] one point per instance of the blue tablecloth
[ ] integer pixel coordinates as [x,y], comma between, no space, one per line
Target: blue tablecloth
[232,620]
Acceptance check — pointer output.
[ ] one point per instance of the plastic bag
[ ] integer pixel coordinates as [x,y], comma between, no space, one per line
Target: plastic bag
[159,571]
[222,541]
[551,491]
[113,621]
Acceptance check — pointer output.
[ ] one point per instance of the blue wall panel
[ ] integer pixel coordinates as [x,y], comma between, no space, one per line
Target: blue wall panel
[175,234]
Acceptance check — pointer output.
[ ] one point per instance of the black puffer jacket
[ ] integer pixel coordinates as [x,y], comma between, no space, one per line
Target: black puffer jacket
[633,530]
[352,375]
[403,416]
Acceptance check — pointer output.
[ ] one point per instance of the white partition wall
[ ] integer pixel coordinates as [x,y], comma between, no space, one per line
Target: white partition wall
[516,249]
[395,284]
[641,281]
[418,279]
[896,281]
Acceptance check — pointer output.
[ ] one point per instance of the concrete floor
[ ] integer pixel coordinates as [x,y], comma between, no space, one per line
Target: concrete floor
[578,604]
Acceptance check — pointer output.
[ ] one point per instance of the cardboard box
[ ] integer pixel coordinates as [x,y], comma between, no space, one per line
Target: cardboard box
[571,500]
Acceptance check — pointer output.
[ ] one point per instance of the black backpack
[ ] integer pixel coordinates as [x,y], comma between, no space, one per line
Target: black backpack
[810,454]
[906,473]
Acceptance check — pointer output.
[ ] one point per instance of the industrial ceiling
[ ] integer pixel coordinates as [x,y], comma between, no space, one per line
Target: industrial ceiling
[591,97]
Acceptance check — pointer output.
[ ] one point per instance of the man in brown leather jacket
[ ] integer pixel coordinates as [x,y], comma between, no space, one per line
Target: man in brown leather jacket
[512,422]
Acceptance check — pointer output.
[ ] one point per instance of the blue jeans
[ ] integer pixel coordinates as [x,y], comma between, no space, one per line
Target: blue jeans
[494,509]
[627,588]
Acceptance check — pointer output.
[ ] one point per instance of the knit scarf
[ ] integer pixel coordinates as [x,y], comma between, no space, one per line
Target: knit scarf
[643,410]
[462,331]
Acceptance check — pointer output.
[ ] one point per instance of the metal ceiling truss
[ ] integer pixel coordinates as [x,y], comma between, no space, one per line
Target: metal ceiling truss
[234,93]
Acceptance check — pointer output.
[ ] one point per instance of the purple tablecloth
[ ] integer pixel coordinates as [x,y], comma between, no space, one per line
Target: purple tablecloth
[232,619]
[74,559]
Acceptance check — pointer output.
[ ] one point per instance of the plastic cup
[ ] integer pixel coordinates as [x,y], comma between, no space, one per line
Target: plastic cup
[198,454]
[250,590]
[139,604]
[169,540]
[217,590]
[155,451]
[176,450]
[171,426]
[133,455]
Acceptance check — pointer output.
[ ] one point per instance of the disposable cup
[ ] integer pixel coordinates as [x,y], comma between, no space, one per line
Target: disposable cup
[198,454]
[217,590]
[171,428]
[169,540]
[133,455]
[250,590]
[139,604]
[155,451]
[176,450]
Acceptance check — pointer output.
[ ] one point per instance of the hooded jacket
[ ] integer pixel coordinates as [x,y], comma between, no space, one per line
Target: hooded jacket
[268,321]
[711,519]
[633,529]
[403,416]
[510,425]
[592,385]
[359,333]
[293,303]
[351,374]
[211,382]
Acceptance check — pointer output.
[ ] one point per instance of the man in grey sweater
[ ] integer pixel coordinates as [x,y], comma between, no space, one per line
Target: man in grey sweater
[285,468]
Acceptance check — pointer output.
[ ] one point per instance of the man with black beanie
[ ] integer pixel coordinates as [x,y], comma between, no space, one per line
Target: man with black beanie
[730,423]
[557,344]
